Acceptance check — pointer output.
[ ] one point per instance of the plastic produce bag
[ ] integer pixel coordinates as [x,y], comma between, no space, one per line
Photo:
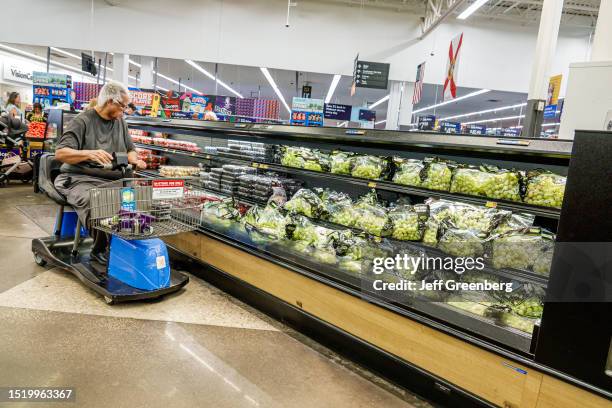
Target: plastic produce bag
[220,212]
[480,219]
[315,160]
[268,220]
[408,222]
[306,202]
[469,180]
[340,162]
[373,219]
[516,221]
[465,243]
[408,172]
[503,184]
[292,156]
[439,211]
[339,208]
[545,188]
[438,174]
[527,249]
[369,167]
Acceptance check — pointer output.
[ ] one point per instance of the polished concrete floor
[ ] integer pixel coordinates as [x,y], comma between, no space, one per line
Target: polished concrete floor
[197,348]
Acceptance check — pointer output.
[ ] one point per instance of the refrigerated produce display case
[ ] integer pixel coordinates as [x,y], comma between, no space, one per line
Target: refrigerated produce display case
[294,221]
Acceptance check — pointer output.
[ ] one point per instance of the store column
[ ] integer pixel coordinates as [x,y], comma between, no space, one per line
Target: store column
[602,49]
[121,66]
[399,107]
[146,72]
[545,52]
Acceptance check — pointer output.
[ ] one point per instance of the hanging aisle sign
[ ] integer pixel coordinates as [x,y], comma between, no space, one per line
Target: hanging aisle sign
[450,83]
[373,75]
[337,111]
[552,97]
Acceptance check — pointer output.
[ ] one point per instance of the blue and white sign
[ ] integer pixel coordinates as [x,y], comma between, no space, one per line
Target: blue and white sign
[450,127]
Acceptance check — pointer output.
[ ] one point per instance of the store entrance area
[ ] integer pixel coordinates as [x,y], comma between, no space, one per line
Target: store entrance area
[198,347]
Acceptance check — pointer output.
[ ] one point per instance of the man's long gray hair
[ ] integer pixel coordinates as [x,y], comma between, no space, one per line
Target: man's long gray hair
[112,91]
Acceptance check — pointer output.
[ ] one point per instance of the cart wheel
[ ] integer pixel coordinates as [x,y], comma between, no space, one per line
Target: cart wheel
[109,301]
[39,259]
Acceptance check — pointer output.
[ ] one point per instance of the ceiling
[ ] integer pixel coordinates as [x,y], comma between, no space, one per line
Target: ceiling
[581,13]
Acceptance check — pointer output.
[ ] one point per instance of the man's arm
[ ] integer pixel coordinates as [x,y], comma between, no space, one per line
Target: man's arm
[72,156]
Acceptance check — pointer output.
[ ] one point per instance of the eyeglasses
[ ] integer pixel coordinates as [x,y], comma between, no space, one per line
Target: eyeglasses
[123,105]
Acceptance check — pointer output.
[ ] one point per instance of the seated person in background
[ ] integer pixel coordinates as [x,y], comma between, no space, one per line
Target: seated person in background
[131,110]
[91,137]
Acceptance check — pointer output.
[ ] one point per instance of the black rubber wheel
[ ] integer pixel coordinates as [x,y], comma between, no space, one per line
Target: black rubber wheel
[109,301]
[39,259]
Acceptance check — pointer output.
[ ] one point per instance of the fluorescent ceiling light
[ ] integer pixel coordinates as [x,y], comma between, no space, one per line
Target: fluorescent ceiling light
[134,63]
[476,93]
[41,59]
[66,53]
[211,76]
[380,121]
[162,88]
[332,88]
[485,111]
[494,119]
[266,73]
[470,10]
[378,102]
[343,124]
[551,124]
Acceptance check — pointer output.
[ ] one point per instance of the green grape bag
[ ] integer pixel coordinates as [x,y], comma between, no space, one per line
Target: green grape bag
[408,222]
[408,172]
[544,188]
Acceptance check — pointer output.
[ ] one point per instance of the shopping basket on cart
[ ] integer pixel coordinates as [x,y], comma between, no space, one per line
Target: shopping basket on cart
[136,209]
[137,212]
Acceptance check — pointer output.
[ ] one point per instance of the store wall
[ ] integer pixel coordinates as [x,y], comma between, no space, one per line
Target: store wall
[321,38]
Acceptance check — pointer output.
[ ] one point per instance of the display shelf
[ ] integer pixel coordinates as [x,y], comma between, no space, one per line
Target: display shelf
[552,213]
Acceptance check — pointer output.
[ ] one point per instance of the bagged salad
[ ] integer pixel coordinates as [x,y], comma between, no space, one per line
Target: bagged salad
[306,202]
[340,162]
[408,222]
[369,167]
[221,212]
[408,172]
[545,188]
[268,220]
[292,156]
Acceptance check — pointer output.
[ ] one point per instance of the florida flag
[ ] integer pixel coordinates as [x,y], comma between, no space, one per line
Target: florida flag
[450,83]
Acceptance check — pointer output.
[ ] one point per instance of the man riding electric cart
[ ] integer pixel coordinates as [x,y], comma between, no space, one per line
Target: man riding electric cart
[97,156]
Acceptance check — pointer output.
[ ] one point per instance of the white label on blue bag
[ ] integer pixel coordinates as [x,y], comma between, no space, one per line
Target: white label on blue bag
[161,262]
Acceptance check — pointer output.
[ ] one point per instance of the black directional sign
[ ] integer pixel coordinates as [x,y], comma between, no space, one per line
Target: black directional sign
[371,75]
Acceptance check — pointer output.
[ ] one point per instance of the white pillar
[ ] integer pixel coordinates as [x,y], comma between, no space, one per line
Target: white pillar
[399,106]
[546,47]
[146,72]
[602,43]
[121,67]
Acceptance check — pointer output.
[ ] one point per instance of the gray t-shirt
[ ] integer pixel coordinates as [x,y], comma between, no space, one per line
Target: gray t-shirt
[89,131]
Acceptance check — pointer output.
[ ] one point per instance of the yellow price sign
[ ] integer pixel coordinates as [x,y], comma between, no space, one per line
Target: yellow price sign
[263,166]
[372,184]
[491,204]
[256,165]
[192,154]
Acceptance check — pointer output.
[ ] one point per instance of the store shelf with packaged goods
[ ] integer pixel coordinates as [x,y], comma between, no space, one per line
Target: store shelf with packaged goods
[541,211]
[496,326]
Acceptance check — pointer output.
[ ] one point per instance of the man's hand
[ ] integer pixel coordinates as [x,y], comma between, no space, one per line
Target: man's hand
[141,165]
[99,156]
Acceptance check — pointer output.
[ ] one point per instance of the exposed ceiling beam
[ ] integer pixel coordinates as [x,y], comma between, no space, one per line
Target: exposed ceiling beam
[436,13]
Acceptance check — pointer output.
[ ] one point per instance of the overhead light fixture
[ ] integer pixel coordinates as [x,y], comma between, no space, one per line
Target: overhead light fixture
[494,119]
[378,102]
[485,111]
[41,59]
[211,76]
[65,53]
[131,61]
[266,73]
[470,10]
[343,124]
[162,88]
[332,88]
[551,124]
[380,121]
[460,98]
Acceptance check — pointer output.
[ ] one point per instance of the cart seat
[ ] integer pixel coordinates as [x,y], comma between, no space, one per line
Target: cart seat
[49,169]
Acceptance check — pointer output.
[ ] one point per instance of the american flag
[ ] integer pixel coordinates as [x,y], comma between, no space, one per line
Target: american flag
[418,85]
